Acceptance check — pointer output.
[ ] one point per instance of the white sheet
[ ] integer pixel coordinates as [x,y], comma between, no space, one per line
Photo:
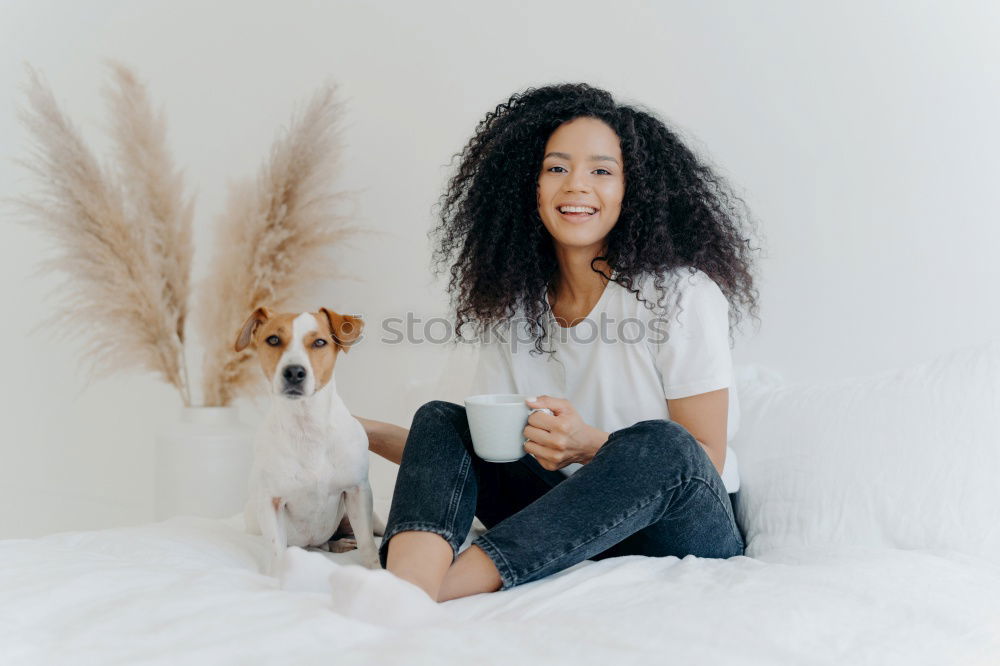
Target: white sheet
[188,591]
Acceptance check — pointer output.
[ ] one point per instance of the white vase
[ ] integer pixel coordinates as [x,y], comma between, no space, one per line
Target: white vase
[202,464]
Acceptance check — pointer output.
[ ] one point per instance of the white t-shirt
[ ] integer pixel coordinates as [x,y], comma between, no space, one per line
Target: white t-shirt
[624,374]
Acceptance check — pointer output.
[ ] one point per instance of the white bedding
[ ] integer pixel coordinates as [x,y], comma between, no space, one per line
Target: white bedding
[187,590]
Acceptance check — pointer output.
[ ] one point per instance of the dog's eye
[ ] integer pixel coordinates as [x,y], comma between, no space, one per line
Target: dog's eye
[273,340]
[320,342]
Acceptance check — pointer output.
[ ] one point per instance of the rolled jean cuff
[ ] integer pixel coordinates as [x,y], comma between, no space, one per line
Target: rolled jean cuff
[383,549]
[507,577]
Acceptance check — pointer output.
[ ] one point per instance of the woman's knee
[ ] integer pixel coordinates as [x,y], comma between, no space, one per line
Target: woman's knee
[655,439]
[439,412]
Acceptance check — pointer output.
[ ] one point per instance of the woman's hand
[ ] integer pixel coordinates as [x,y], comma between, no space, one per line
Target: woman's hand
[558,439]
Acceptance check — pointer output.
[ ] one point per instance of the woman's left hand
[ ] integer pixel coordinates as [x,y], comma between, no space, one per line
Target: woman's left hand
[558,439]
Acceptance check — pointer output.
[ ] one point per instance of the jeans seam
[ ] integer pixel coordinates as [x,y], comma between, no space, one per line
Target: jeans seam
[456,496]
[463,474]
[732,524]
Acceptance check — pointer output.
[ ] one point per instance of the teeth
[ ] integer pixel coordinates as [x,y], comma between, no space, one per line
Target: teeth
[577,209]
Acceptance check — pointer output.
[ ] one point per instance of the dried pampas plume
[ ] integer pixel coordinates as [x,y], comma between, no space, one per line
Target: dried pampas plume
[124,237]
[147,172]
[271,241]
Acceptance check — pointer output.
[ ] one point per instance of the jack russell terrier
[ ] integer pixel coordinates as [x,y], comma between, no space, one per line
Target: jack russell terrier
[311,456]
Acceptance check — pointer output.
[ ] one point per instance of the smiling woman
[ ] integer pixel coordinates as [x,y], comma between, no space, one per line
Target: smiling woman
[569,208]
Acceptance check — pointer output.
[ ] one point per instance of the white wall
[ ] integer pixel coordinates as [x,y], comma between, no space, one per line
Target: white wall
[863,135]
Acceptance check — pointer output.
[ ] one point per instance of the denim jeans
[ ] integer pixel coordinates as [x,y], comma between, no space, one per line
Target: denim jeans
[649,490]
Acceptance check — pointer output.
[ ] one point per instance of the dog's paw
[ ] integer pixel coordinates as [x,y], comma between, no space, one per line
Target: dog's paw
[276,565]
[343,545]
[371,561]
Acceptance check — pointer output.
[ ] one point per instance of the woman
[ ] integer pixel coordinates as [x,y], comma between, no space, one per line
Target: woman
[570,211]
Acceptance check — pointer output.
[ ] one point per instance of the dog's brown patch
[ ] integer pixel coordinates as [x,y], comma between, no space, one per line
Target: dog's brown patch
[279,327]
[342,331]
[246,336]
[345,329]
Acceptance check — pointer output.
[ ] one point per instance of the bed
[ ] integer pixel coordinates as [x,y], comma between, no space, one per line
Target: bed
[872,538]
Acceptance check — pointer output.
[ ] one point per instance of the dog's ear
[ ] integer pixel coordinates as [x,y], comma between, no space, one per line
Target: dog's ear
[345,329]
[250,326]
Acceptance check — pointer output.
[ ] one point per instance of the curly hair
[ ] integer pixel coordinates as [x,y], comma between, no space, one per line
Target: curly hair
[676,212]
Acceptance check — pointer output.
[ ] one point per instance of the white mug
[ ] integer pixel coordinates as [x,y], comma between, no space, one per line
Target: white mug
[497,421]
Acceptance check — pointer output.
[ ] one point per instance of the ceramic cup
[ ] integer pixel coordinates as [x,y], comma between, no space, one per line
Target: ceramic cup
[497,421]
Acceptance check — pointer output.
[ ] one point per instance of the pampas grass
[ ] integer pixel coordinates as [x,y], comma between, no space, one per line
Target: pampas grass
[120,235]
[157,192]
[271,242]
[124,236]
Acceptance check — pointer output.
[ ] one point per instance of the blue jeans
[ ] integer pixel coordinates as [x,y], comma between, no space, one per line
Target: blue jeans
[650,490]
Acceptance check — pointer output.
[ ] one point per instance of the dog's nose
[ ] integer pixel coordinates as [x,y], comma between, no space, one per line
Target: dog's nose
[294,374]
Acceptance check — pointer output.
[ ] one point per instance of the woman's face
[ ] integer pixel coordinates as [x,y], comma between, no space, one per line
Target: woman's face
[581,184]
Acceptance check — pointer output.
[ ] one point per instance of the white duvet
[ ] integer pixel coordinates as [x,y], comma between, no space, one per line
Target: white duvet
[188,591]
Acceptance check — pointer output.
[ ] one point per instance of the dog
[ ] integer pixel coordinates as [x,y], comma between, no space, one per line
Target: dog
[310,462]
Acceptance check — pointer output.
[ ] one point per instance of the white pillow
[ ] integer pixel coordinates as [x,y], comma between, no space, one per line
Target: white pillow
[908,458]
